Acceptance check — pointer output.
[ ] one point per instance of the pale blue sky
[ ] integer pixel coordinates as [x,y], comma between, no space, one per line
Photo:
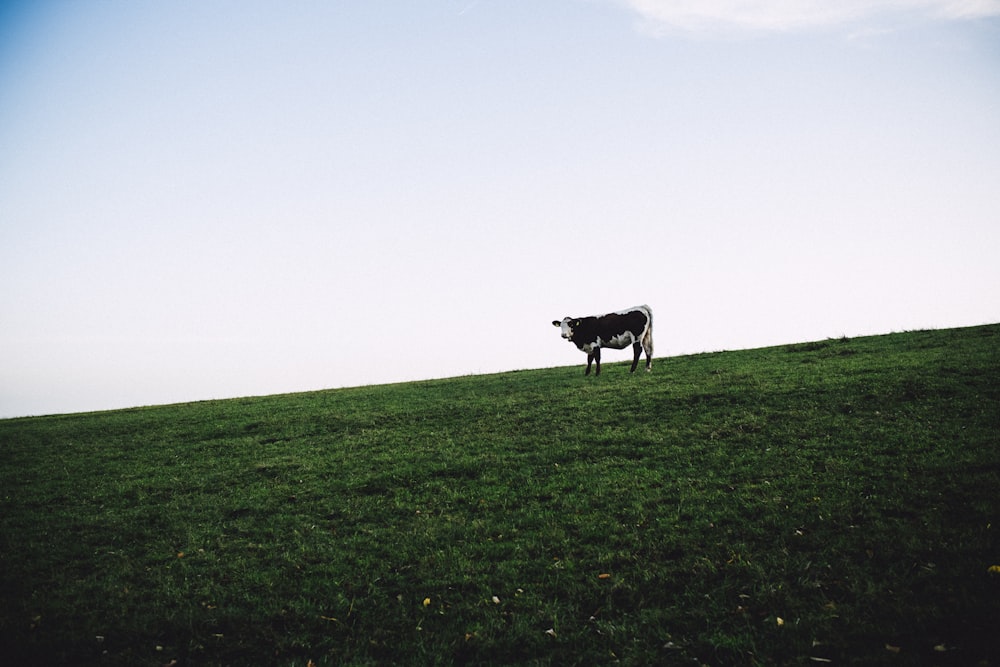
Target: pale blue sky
[217,199]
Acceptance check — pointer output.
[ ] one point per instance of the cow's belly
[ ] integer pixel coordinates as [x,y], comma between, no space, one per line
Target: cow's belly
[620,341]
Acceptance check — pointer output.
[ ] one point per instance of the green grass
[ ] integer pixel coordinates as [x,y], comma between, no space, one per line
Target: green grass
[849,488]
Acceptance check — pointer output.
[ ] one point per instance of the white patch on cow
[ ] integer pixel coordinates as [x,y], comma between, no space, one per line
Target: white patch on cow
[565,330]
[620,341]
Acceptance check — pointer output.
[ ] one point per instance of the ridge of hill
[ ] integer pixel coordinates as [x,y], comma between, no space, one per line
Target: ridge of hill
[824,501]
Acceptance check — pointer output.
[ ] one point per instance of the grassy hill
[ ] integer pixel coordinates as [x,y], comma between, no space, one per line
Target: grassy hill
[828,501]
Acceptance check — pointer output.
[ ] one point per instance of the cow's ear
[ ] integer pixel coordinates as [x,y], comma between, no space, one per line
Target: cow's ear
[556,323]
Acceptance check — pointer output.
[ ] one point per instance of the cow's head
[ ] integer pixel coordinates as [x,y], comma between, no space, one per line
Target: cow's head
[566,326]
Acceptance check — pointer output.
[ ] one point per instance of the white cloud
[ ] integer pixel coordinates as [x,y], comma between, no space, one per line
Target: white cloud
[790,15]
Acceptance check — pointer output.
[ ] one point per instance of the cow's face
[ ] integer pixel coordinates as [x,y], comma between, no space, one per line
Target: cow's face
[566,327]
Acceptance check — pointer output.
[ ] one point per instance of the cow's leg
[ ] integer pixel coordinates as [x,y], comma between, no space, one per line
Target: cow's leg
[590,360]
[647,343]
[636,352]
[597,359]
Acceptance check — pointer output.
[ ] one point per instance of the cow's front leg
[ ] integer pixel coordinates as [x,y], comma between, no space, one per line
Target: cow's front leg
[636,350]
[597,360]
[590,360]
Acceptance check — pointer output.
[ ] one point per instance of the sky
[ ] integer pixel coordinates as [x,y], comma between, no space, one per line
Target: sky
[204,200]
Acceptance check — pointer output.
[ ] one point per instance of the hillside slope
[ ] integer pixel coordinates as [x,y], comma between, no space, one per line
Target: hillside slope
[834,500]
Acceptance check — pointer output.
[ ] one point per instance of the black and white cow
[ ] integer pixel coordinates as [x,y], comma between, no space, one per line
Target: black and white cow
[616,330]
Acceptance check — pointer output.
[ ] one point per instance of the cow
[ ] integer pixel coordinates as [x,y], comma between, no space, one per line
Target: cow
[615,330]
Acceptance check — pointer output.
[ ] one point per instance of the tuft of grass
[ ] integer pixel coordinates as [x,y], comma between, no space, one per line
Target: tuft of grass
[826,501]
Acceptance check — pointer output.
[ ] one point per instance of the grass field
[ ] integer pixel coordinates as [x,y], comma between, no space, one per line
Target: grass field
[827,502]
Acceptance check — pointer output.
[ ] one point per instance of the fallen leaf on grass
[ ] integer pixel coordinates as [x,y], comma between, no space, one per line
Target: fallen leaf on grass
[893,649]
[780,621]
[604,575]
[551,632]
[994,569]
[427,602]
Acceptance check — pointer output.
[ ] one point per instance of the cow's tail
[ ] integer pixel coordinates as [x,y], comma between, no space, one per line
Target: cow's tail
[647,338]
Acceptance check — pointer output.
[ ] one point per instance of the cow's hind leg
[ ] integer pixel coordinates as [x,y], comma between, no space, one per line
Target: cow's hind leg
[647,343]
[636,351]
[596,354]
[590,360]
